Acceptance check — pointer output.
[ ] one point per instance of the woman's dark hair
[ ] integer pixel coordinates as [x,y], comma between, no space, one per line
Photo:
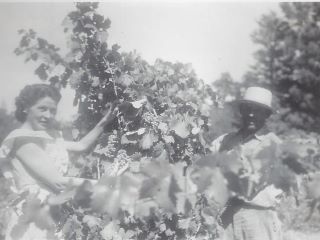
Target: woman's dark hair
[30,95]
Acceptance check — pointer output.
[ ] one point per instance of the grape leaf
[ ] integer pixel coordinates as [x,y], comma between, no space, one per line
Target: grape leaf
[108,232]
[168,139]
[125,79]
[162,196]
[147,140]
[61,198]
[206,180]
[139,103]
[18,230]
[105,198]
[181,129]
[82,196]
[111,193]
[91,221]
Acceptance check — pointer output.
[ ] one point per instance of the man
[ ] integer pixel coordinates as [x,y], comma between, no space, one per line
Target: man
[250,214]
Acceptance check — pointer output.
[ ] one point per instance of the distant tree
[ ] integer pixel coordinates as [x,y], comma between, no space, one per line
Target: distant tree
[225,118]
[288,62]
[227,88]
[7,123]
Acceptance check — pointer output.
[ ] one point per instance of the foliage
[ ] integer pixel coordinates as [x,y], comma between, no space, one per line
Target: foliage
[162,119]
[226,117]
[6,196]
[301,211]
[7,124]
[228,88]
[288,62]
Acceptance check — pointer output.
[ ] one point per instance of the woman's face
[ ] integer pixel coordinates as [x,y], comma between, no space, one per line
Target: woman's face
[41,115]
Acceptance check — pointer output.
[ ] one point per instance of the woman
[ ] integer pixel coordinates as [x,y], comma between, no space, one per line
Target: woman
[34,155]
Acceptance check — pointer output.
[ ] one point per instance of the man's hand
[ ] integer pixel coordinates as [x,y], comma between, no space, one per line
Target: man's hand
[269,197]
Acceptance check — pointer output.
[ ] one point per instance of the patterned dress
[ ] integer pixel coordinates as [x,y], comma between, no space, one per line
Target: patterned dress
[243,219]
[25,183]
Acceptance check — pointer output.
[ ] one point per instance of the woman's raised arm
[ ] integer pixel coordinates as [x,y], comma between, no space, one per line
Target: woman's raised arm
[93,135]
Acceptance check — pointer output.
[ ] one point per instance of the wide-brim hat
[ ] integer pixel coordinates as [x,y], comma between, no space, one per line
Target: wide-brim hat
[259,96]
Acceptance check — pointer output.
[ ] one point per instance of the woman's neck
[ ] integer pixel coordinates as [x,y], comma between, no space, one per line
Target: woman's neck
[27,125]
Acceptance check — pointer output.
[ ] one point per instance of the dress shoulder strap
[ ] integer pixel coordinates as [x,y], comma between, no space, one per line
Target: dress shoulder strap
[8,142]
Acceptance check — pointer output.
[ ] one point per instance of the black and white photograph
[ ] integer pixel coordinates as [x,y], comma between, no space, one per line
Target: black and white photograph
[159,120]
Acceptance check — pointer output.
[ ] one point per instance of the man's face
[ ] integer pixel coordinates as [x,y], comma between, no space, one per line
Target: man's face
[253,116]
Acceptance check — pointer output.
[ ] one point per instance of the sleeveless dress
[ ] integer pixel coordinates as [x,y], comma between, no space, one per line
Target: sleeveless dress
[25,184]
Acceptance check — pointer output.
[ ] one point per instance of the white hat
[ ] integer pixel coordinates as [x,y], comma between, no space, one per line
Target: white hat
[259,96]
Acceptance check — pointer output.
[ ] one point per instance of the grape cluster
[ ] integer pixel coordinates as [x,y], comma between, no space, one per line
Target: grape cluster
[120,164]
[189,149]
[151,119]
[110,149]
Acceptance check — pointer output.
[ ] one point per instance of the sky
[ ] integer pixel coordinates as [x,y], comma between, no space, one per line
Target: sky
[213,36]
